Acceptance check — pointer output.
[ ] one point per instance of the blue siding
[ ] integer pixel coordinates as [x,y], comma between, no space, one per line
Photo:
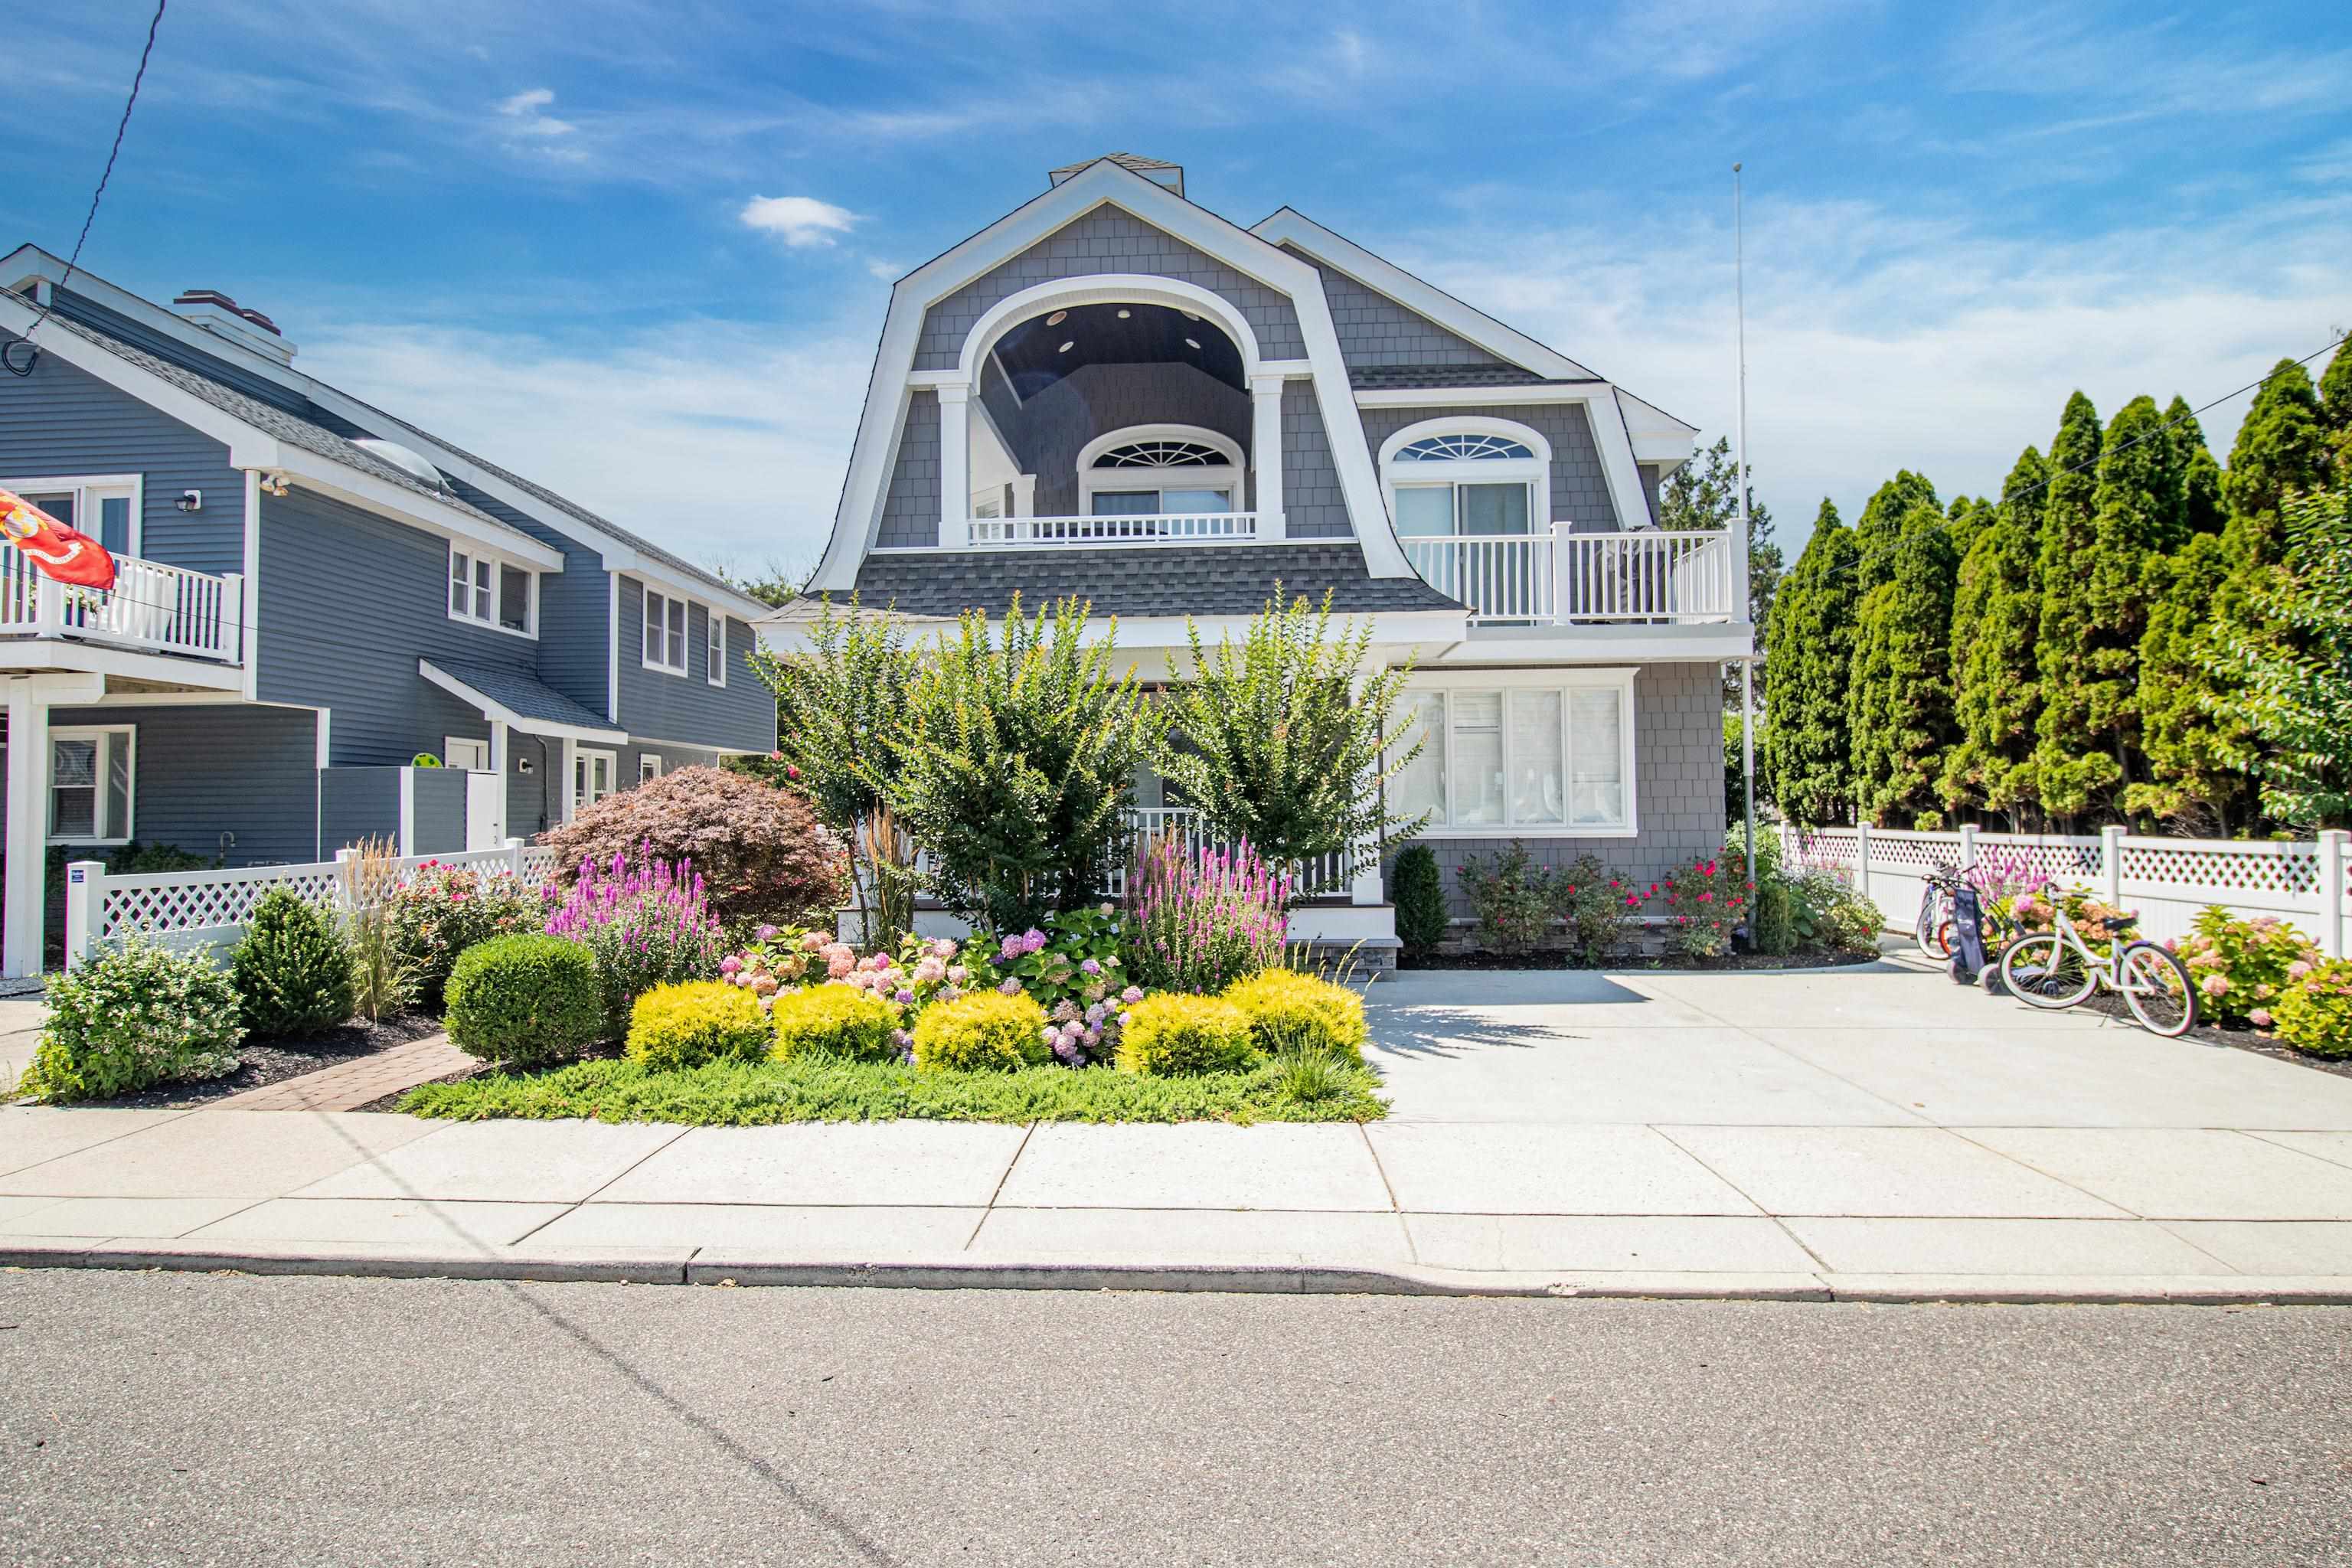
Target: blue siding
[738,715]
[571,608]
[355,804]
[206,769]
[60,420]
[348,602]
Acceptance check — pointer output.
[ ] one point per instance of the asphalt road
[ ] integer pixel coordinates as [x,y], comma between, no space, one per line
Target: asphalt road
[178,1419]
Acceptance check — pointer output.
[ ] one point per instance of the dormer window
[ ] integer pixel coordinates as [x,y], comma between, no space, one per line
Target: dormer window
[493,592]
[1159,471]
[1468,477]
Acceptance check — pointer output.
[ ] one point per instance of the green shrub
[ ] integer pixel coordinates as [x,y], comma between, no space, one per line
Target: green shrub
[293,970]
[525,998]
[2314,1013]
[132,1017]
[1167,1033]
[699,1021]
[1705,900]
[439,911]
[984,1032]
[1773,923]
[1594,905]
[2242,967]
[1290,1013]
[1513,896]
[839,1020]
[1417,889]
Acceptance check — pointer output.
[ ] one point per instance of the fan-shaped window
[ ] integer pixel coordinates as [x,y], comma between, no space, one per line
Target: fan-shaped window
[1161,455]
[1458,447]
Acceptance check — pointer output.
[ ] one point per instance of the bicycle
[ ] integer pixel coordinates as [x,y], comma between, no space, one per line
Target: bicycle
[2056,968]
[1935,927]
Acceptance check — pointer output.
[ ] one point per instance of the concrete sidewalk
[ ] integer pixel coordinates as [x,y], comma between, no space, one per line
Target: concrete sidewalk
[1871,1134]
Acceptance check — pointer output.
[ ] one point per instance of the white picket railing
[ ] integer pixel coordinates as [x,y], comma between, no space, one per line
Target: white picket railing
[1564,577]
[1325,876]
[1169,528]
[2167,881]
[152,607]
[210,908]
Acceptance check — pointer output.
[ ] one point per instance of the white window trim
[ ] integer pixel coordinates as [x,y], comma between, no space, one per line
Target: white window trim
[1564,682]
[714,639]
[584,759]
[498,565]
[1226,476]
[450,744]
[648,595]
[90,487]
[1533,472]
[649,767]
[108,736]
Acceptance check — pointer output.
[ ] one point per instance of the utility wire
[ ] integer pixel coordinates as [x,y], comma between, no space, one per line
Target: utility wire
[33,357]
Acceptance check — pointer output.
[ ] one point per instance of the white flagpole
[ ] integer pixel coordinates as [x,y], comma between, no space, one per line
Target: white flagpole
[1739,463]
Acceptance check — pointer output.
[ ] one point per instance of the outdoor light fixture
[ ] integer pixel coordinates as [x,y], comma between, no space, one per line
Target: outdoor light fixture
[1188,315]
[1123,315]
[1192,342]
[191,501]
[1058,318]
[1065,348]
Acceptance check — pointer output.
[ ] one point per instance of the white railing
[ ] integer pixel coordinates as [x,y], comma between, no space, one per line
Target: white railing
[2167,881]
[1328,875]
[1563,577]
[152,607]
[1175,528]
[210,908]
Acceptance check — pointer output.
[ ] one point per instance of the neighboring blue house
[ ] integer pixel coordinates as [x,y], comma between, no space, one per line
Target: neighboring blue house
[312,592]
[1114,392]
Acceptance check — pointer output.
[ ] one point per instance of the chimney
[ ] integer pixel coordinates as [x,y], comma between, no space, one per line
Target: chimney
[224,317]
[1153,169]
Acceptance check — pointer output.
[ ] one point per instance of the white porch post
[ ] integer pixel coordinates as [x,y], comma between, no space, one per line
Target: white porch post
[28,751]
[1364,872]
[955,465]
[1265,452]
[1024,495]
[569,785]
[501,765]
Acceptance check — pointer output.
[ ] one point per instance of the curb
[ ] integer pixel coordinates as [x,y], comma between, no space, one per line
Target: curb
[682,1267]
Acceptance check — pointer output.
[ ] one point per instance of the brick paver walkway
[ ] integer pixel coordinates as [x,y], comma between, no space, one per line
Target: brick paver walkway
[356,1083]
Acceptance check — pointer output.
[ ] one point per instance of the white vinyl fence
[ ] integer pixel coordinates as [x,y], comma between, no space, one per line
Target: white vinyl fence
[2166,880]
[210,908]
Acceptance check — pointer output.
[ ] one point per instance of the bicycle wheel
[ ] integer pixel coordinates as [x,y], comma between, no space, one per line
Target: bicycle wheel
[1933,928]
[2046,972]
[2158,989]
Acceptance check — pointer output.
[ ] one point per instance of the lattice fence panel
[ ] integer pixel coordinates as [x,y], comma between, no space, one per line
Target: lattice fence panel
[2218,873]
[203,900]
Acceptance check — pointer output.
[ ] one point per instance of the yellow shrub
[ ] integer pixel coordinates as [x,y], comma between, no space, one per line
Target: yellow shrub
[1169,1033]
[1289,1011]
[699,1021]
[984,1032]
[841,1020]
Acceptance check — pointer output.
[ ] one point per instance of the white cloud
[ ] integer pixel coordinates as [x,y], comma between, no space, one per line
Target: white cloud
[523,119]
[885,272]
[524,102]
[799,221]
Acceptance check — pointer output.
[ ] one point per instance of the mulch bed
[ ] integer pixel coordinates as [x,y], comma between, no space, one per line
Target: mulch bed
[2243,1038]
[1673,961]
[275,1061]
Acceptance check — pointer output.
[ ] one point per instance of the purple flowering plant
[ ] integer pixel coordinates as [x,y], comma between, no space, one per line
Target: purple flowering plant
[1198,920]
[1073,959]
[649,921]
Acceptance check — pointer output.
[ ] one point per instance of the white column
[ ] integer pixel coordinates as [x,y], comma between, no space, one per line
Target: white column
[1024,495]
[2111,863]
[568,785]
[955,465]
[500,764]
[2331,891]
[28,752]
[1265,453]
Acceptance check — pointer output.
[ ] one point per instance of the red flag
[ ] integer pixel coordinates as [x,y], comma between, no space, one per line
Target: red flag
[57,550]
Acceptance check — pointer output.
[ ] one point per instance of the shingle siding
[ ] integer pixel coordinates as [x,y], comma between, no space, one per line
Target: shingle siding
[1054,426]
[1580,490]
[206,769]
[1313,505]
[1678,788]
[1108,240]
[738,715]
[61,421]
[1375,330]
[911,508]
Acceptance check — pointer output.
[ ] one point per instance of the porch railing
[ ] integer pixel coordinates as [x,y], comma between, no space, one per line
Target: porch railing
[153,607]
[1566,577]
[1326,875]
[1175,528]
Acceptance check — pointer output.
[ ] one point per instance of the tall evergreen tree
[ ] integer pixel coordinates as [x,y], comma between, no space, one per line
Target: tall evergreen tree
[2282,448]
[1901,701]
[2190,724]
[1875,532]
[2198,477]
[2336,408]
[1809,645]
[2070,767]
[1996,612]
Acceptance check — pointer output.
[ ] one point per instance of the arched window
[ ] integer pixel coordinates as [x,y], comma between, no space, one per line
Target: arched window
[1466,445]
[1159,471]
[1467,476]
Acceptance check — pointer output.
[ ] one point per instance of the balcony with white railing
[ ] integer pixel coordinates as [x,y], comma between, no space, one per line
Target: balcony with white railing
[1173,528]
[1566,578]
[152,608]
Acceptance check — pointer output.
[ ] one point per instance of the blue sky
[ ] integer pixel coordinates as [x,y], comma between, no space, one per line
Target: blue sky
[641,251]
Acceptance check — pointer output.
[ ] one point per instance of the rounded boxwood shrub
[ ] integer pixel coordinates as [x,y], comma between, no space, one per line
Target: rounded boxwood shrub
[1417,889]
[2314,1012]
[984,1032]
[838,1020]
[132,1017]
[699,1021]
[1169,1033]
[1289,1013]
[293,970]
[526,998]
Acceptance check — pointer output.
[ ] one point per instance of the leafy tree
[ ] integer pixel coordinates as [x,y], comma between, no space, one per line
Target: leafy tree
[1901,704]
[2197,476]
[2336,408]
[1277,749]
[1014,770]
[1809,645]
[2282,448]
[2070,768]
[774,584]
[1996,610]
[1699,495]
[2191,727]
[1876,530]
[2298,690]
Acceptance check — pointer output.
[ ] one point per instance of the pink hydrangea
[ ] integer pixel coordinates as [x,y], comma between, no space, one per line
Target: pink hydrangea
[1131,996]
[2260,1018]
[1009,986]
[943,949]
[839,965]
[765,933]
[930,972]
[1032,940]
[730,964]
[958,973]
[2297,969]
[2215,985]
[816,940]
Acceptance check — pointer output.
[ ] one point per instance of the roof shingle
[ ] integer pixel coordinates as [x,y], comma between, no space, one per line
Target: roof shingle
[1155,580]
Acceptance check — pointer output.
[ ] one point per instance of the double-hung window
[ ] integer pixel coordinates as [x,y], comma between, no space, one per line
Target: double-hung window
[593,775]
[104,505]
[664,645]
[1519,754]
[91,774]
[493,592]
[714,648]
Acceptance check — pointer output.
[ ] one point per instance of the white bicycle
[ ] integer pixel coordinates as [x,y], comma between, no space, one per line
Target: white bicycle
[2056,968]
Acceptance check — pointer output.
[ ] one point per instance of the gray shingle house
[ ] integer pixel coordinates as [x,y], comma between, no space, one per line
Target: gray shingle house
[1115,393]
[310,594]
